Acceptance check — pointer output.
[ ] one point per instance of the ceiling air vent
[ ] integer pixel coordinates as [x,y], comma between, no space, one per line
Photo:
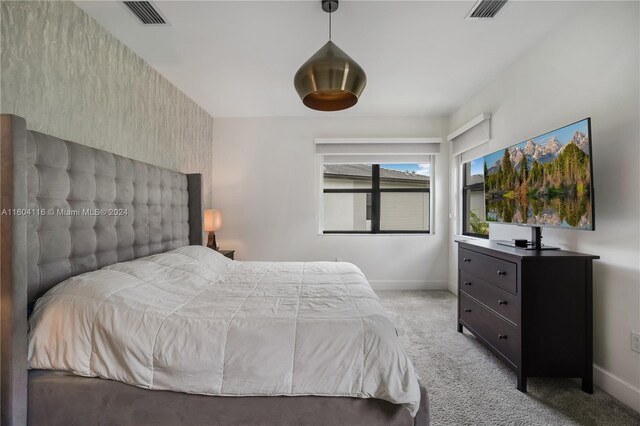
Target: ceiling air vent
[146,13]
[485,9]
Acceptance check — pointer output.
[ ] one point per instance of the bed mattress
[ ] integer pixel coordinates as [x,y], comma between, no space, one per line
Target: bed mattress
[193,321]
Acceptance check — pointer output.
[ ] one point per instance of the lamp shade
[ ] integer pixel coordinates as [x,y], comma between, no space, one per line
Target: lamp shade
[330,80]
[212,220]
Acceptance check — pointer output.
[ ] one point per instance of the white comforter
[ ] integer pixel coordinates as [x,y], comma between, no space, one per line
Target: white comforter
[193,321]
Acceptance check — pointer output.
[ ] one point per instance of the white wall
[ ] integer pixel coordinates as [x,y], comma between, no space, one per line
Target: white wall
[266,185]
[588,67]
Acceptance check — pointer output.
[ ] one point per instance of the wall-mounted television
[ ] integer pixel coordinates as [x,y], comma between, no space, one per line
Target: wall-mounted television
[545,181]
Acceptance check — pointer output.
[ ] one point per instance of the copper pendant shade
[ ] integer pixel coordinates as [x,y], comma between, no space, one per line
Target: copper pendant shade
[330,80]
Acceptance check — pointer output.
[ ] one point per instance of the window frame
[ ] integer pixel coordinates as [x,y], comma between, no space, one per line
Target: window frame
[375,191]
[467,188]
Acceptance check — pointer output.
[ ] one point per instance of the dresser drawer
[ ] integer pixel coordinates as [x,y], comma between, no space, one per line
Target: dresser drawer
[493,270]
[502,302]
[502,335]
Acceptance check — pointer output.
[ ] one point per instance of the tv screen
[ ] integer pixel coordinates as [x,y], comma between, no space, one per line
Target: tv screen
[543,181]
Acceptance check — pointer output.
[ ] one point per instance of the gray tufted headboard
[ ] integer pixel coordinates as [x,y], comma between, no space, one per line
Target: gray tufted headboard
[68,209]
[90,208]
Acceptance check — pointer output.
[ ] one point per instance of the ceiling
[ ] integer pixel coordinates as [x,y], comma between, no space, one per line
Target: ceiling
[422,58]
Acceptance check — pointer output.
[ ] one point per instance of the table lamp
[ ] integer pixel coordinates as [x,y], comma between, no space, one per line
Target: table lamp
[212,222]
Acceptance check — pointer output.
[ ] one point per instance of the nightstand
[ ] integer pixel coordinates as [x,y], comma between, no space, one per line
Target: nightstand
[227,253]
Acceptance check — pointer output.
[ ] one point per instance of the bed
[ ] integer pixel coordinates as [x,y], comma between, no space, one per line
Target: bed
[139,325]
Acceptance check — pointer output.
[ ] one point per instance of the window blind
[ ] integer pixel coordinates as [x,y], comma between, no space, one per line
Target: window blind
[376,151]
[471,140]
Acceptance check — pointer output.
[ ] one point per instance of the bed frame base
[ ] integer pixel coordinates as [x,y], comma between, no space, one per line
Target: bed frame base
[57,398]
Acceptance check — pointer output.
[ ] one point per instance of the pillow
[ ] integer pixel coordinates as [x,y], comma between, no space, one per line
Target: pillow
[210,259]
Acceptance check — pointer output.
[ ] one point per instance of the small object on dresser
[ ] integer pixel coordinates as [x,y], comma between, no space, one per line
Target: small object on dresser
[227,253]
[520,243]
[212,222]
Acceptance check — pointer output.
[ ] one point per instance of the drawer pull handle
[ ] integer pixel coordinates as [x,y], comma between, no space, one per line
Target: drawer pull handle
[502,336]
[467,310]
[467,283]
[466,259]
[502,302]
[502,272]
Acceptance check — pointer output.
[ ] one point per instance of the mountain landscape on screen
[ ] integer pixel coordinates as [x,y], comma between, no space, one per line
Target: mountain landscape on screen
[542,181]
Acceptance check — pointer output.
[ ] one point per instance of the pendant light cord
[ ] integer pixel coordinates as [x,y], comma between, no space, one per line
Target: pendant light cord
[330,12]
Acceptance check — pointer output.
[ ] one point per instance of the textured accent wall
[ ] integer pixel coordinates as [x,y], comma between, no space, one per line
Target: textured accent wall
[72,79]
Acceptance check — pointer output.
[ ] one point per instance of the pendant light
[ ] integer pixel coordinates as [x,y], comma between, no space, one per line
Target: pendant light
[330,80]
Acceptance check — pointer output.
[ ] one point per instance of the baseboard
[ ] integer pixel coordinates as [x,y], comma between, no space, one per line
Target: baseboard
[408,285]
[616,387]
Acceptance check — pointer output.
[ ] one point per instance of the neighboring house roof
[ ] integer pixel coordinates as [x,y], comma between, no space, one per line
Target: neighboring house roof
[363,171]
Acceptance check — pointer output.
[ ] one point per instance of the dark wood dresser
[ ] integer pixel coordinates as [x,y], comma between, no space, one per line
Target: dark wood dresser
[533,309]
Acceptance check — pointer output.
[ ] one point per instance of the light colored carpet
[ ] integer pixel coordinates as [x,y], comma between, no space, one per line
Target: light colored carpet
[468,385]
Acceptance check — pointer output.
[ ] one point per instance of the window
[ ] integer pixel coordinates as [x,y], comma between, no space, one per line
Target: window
[473,210]
[376,198]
